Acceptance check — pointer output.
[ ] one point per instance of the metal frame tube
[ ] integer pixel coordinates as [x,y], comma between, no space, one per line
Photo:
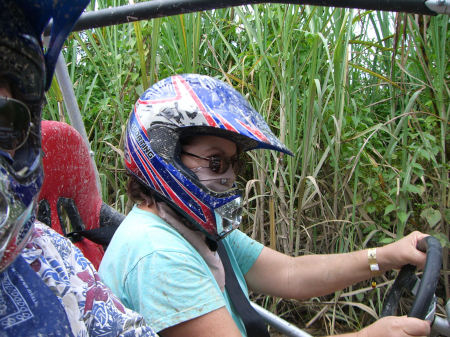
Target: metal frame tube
[439,6]
[279,324]
[162,8]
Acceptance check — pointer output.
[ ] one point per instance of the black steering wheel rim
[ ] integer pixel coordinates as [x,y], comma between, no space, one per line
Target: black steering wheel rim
[407,279]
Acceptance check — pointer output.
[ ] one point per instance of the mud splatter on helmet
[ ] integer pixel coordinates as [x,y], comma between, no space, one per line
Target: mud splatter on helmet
[28,72]
[189,105]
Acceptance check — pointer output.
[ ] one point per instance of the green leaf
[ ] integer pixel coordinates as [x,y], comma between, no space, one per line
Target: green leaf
[403,216]
[371,208]
[389,209]
[385,241]
[442,239]
[425,154]
[431,215]
[413,189]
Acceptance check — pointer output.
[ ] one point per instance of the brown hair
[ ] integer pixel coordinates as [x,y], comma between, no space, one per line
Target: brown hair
[138,192]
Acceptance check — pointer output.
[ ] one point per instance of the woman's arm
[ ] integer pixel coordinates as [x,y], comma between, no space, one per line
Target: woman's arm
[217,323]
[314,275]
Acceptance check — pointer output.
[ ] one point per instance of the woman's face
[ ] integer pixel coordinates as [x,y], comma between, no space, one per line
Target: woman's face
[213,159]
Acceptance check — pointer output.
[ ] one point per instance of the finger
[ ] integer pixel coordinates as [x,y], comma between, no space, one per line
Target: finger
[417,257]
[417,327]
[416,236]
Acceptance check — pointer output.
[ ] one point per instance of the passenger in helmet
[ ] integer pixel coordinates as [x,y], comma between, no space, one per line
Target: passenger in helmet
[47,287]
[183,143]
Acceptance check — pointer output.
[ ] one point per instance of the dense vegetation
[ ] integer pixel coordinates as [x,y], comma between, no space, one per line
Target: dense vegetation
[360,97]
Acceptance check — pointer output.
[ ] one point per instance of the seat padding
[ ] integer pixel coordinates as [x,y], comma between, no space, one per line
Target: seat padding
[69,174]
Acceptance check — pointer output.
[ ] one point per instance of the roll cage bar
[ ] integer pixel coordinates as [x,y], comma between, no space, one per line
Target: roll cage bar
[162,8]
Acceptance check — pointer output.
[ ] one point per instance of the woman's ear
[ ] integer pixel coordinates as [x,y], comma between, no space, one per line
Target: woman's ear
[147,200]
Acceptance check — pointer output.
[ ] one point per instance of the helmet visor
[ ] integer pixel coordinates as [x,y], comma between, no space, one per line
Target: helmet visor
[15,123]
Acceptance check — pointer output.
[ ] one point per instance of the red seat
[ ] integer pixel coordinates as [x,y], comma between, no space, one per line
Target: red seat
[69,200]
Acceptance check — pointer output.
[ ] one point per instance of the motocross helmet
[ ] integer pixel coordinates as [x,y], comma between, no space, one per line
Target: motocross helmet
[27,72]
[190,105]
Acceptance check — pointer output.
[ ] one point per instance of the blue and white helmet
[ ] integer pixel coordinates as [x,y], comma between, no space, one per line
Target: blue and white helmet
[28,72]
[189,105]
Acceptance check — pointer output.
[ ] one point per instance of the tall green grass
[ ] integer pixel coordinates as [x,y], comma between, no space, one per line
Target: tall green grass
[360,97]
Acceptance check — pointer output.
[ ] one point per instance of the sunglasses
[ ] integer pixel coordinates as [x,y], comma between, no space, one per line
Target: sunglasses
[219,164]
[15,123]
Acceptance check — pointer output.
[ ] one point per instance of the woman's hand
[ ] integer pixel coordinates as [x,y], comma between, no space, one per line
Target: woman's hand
[401,252]
[393,326]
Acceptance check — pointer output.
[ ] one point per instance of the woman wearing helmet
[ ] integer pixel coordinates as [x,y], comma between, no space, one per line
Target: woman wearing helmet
[182,147]
[47,287]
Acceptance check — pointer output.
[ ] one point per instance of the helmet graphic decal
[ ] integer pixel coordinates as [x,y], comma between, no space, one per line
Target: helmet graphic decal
[195,111]
[253,130]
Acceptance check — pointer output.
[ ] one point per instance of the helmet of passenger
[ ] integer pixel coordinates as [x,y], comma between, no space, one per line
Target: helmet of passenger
[183,106]
[27,70]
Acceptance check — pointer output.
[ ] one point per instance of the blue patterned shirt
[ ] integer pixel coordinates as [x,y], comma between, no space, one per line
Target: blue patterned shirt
[53,290]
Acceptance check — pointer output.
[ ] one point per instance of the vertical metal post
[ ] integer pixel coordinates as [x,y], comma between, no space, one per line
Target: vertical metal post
[70,101]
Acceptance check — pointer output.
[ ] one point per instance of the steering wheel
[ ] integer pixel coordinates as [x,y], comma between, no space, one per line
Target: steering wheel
[423,289]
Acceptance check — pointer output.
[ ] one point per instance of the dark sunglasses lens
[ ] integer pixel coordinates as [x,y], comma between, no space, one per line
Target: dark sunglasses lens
[221,165]
[14,123]
[216,164]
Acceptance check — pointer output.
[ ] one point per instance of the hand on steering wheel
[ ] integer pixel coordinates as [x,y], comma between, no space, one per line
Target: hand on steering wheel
[407,279]
[425,301]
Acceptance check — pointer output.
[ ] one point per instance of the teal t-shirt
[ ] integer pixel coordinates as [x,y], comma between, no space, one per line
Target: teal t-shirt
[156,272]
